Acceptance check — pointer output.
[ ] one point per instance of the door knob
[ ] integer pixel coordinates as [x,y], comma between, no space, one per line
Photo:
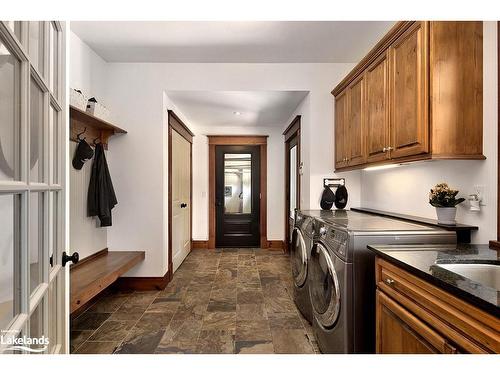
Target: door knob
[183,205]
[75,257]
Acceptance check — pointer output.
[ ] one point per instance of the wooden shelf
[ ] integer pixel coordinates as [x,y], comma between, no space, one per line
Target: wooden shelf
[96,127]
[95,273]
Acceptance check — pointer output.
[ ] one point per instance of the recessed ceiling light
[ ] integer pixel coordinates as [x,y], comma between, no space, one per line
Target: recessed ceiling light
[236,113]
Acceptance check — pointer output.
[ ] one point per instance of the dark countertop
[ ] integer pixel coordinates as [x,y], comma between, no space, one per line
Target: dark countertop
[423,261]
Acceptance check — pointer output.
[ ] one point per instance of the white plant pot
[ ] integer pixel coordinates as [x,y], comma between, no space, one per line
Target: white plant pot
[446,215]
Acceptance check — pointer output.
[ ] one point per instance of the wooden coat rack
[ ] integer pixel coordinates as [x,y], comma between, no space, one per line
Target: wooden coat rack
[94,127]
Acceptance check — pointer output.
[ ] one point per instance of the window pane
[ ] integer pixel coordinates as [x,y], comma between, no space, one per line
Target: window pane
[54,241]
[53,317]
[9,251]
[36,133]
[9,115]
[53,59]
[36,239]
[54,126]
[237,183]
[15,26]
[35,45]
[36,325]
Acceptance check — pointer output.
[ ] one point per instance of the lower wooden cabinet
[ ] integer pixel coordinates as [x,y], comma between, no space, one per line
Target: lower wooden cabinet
[413,316]
[400,332]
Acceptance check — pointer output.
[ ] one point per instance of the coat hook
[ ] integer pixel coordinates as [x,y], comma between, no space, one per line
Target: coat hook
[80,134]
[95,139]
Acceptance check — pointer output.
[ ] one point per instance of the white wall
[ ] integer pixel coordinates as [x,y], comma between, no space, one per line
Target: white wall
[88,74]
[135,92]
[405,189]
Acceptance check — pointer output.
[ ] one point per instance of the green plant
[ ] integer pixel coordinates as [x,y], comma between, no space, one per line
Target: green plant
[444,196]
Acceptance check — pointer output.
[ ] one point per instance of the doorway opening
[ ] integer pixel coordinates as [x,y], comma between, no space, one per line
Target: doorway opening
[238,191]
[292,177]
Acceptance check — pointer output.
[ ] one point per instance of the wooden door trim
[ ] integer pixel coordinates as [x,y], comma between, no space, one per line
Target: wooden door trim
[175,124]
[292,130]
[237,140]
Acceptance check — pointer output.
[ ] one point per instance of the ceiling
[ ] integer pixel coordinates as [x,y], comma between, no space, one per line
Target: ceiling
[221,108]
[232,42]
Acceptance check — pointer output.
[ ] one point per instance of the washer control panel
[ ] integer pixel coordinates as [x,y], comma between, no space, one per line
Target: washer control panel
[336,239]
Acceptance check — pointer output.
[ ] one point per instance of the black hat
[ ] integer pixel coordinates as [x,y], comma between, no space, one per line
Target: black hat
[341,197]
[83,153]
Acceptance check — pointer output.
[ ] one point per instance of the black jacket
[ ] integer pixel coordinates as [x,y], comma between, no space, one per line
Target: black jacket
[101,195]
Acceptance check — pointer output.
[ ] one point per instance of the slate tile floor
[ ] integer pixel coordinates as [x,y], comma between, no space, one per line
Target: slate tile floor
[222,301]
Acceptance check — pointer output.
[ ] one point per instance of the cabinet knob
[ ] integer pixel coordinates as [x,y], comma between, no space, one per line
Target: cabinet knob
[384,149]
[389,281]
[390,148]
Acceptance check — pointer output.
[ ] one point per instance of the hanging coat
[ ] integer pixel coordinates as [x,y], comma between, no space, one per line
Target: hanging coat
[101,195]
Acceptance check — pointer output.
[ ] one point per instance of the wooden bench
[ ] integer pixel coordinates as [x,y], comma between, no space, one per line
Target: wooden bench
[95,273]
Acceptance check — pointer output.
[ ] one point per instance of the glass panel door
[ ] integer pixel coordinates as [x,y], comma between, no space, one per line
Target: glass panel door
[32,279]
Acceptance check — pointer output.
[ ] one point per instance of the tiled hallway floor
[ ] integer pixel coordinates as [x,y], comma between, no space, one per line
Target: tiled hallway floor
[222,301]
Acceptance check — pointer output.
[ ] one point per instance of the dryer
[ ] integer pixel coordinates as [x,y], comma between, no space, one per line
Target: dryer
[300,250]
[342,275]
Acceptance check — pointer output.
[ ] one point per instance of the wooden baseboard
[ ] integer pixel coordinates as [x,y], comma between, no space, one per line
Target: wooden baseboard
[198,244]
[275,245]
[144,283]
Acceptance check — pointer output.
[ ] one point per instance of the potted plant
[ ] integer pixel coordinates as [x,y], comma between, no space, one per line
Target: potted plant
[445,200]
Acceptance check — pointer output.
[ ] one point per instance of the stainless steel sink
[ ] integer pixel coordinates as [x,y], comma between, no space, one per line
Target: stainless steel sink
[485,274]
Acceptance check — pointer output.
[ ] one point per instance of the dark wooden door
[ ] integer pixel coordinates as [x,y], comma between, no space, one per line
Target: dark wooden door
[237,196]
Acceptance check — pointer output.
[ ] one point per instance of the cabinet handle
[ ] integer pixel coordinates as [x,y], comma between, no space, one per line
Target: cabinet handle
[390,148]
[389,281]
[384,149]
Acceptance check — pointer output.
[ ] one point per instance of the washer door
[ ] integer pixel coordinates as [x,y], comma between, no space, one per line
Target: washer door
[324,287]
[298,256]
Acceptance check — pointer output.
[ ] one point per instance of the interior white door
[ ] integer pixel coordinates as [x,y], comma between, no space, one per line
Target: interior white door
[33,318]
[181,199]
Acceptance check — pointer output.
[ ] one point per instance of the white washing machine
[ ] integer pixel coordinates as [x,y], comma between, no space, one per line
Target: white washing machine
[342,275]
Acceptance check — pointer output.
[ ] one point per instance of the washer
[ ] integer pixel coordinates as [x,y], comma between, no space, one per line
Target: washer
[300,250]
[342,275]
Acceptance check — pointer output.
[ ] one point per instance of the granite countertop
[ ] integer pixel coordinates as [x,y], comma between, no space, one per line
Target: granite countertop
[424,260]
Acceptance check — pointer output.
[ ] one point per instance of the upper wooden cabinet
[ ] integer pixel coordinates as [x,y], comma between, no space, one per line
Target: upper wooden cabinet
[417,95]
[341,120]
[409,93]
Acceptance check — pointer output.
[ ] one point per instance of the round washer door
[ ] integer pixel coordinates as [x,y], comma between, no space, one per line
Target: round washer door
[324,286]
[298,256]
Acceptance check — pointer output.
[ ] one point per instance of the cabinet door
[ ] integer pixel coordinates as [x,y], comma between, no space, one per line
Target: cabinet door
[401,332]
[409,92]
[377,113]
[341,147]
[354,137]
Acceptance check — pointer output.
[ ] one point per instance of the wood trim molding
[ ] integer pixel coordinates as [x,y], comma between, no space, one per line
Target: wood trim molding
[144,283]
[238,140]
[293,128]
[379,48]
[199,244]
[276,245]
[174,123]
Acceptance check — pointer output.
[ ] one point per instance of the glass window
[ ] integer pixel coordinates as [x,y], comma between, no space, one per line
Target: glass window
[35,240]
[35,45]
[53,63]
[36,324]
[36,132]
[53,316]
[15,27]
[9,115]
[54,242]
[54,126]
[238,183]
[9,251]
